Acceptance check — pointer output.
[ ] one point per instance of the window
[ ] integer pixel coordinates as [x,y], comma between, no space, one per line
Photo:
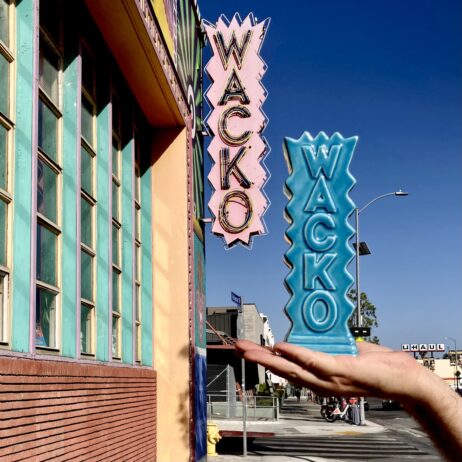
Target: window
[87,204]
[3,305]
[116,228]
[4,22]
[48,193]
[6,55]
[6,129]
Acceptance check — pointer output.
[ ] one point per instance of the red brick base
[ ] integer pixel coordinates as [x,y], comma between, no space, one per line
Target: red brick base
[52,410]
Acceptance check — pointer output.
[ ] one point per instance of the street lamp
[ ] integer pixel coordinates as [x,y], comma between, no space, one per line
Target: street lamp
[456,375]
[358,246]
[358,293]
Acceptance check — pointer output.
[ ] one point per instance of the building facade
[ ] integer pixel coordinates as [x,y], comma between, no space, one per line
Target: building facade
[447,369]
[225,328]
[102,344]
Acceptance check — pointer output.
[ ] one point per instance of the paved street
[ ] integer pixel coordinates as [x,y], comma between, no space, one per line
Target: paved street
[400,424]
[302,435]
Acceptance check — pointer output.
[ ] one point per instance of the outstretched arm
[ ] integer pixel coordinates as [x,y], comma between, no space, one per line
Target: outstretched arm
[376,371]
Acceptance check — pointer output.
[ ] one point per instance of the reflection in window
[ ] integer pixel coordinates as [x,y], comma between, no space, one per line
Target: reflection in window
[86,212]
[3,157]
[86,276]
[115,337]
[46,255]
[3,301]
[3,233]
[87,121]
[47,131]
[115,290]
[86,171]
[4,85]
[115,200]
[46,190]
[49,71]
[115,158]
[86,329]
[4,23]
[45,319]
[115,245]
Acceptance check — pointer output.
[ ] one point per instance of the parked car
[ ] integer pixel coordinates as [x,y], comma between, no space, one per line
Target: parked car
[391,404]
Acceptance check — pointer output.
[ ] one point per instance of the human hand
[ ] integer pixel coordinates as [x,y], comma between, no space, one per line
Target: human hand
[376,371]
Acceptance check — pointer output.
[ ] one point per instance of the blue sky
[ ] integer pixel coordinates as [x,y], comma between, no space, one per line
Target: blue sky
[390,72]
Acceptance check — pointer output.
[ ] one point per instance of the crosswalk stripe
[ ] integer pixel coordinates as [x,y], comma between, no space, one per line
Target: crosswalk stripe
[344,447]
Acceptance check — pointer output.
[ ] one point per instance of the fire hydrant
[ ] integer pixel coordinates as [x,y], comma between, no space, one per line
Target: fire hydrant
[213,436]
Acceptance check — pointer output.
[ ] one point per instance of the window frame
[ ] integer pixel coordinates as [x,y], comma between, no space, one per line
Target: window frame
[8,52]
[54,227]
[116,223]
[90,147]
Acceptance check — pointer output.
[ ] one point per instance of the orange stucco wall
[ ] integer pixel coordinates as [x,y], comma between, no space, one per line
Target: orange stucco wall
[171,318]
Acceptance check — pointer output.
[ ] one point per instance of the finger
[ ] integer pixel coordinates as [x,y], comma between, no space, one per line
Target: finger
[283,367]
[367,347]
[316,361]
[300,376]
[246,345]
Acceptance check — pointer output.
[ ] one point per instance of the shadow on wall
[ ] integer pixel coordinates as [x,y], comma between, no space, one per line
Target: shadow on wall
[183,408]
[162,139]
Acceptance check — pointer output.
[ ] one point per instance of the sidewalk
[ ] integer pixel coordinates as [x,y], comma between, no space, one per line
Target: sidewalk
[296,419]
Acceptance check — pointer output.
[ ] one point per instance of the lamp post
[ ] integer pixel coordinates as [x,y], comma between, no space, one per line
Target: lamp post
[358,293]
[456,375]
[244,396]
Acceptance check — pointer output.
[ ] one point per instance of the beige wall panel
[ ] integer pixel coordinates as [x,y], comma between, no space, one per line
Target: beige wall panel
[171,315]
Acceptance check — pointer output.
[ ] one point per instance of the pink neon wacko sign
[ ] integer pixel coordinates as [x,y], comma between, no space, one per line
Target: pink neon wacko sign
[236,122]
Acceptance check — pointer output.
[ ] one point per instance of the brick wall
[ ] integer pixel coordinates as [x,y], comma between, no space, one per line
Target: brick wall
[56,411]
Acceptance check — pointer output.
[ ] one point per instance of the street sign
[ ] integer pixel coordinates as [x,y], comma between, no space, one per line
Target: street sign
[236,298]
[360,331]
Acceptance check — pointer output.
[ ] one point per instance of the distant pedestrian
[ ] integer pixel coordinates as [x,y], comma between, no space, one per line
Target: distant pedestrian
[297,394]
[355,414]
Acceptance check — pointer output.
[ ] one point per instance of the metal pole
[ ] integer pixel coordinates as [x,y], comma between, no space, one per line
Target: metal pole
[358,294]
[244,397]
[362,414]
[457,361]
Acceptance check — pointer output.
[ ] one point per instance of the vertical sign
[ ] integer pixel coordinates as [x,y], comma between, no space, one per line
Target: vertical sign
[318,209]
[236,122]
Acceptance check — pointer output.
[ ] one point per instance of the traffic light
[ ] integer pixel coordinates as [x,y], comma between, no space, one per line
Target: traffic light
[357,332]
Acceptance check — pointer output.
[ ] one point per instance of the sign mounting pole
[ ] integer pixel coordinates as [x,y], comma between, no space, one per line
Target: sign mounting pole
[238,299]
[244,396]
